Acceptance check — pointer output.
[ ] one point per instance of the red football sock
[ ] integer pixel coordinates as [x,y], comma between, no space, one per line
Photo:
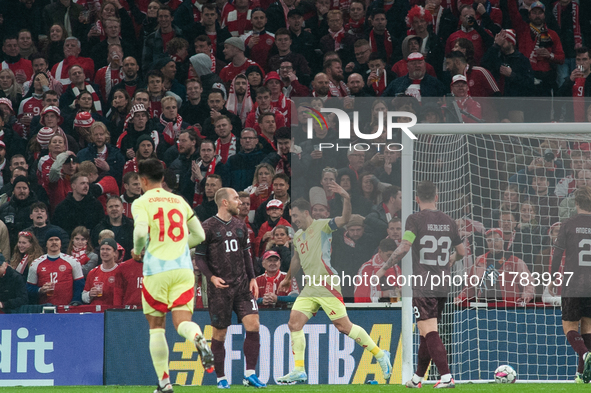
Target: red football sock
[576,341]
[219,356]
[251,349]
[437,352]
[423,358]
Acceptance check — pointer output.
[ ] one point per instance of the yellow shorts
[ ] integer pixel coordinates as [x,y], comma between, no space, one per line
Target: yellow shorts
[168,291]
[332,306]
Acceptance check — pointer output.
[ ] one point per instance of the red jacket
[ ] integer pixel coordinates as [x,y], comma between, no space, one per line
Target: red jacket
[259,244]
[511,290]
[470,35]
[527,43]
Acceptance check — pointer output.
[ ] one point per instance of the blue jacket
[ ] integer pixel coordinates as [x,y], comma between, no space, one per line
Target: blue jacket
[115,159]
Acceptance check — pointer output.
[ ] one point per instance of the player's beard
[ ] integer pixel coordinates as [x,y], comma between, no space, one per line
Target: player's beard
[233,210]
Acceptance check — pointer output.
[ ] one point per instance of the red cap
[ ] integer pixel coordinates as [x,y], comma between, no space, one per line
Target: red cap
[271,75]
[271,253]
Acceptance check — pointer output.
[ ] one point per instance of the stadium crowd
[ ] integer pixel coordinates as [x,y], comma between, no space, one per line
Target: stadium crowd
[221,91]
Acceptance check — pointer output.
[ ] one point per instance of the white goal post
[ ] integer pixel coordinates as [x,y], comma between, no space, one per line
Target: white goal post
[478,348]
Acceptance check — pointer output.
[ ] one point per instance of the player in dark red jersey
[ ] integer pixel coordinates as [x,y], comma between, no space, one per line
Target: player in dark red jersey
[128,284]
[224,258]
[431,234]
[574,239]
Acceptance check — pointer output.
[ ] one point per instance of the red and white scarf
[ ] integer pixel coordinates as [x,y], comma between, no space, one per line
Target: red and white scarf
[579,100]
[286,10]
[232,104]
[22,265]
[338,38]
[557,11]
[198,194]
[387,43]
[95,98]
[355,27]
[283,166]
[339,91]
[80,254]
[109,80]
[172,129]
[231,150]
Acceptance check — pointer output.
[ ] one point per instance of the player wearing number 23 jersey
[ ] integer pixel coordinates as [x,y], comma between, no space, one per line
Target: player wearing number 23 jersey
[433,234]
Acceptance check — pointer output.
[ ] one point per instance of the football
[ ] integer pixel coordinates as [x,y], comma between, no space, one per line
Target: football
[505,374]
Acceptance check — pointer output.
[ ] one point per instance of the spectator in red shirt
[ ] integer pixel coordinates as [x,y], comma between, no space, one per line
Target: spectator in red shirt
[259,41]
[460,91]
[263,105]
[100,282]
[238,63]
[480,80]
[128,284]
[22,68]
[541,46]
[55,278]
[237,17]
[72,48]
[270,293]
[274,218]
[470,30]
[368,293]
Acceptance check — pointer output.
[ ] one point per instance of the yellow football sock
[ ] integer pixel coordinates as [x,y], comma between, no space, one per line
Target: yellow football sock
[159,352]
[189,330]
[361,337]
[298,345]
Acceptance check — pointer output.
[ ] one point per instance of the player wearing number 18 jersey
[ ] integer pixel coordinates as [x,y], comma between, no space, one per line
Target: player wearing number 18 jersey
[224,258]
[166,226]
[574,239]
[431,234]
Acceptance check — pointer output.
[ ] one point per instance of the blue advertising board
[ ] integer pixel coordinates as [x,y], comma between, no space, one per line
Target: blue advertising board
[46,349]
[331,357]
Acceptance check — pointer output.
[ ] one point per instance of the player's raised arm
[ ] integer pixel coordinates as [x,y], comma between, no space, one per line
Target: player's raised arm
[397,255]
[196,232]
[346,215]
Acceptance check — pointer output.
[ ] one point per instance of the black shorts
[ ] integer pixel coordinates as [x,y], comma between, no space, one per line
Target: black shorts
[428,307]
[575,308]
[222,302]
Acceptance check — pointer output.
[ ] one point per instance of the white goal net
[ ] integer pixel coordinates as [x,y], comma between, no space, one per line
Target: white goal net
[521,184]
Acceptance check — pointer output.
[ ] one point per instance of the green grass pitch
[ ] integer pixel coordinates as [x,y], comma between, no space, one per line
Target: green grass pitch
[302,388]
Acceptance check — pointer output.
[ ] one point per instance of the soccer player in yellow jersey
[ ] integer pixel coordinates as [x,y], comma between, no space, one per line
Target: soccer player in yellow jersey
[312,244]
[167,227]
